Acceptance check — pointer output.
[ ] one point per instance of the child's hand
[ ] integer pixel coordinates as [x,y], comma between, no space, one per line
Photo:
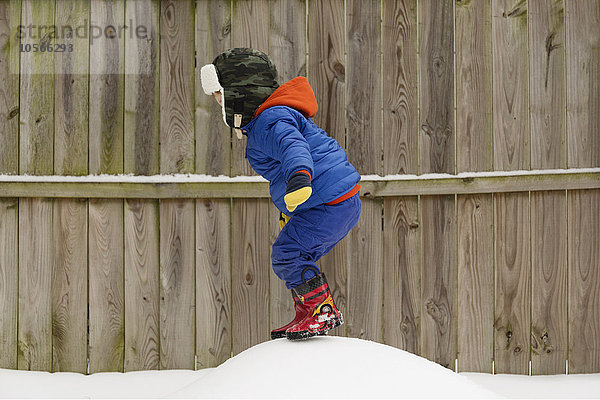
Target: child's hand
[298,190]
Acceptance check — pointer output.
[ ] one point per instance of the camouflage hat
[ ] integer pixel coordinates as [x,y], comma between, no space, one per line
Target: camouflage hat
[248,78]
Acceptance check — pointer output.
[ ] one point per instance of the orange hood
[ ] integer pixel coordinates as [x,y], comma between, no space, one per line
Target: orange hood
[296,94]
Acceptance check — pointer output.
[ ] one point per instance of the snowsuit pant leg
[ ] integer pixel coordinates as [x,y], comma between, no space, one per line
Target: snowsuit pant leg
[309,235]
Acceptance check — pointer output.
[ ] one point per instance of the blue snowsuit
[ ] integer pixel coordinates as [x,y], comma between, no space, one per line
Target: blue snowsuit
[283,140]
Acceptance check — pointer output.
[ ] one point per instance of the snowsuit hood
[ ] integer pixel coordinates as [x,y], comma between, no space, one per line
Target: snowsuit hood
[296,94]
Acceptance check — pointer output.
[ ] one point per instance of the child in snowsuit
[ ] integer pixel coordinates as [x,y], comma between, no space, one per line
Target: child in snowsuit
[311,181]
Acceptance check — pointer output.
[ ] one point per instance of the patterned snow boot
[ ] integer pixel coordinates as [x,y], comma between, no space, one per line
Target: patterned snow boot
[318,313]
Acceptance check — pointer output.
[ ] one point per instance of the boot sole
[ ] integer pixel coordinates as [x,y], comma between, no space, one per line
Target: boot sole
[277,335]
[303,335]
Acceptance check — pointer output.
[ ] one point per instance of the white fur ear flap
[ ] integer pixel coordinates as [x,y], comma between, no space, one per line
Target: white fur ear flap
[210,80]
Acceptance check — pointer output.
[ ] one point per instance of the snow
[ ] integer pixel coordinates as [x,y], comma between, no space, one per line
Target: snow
[196,178]
[321,367]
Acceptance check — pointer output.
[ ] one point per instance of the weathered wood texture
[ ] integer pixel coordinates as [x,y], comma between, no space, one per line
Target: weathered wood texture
[584,280]
[9,282]
[10,18]
[582,39]
[436,91]
[547,84]
[513,283]
[213,282]
[327,75]
[400,116]
[548,282]
[287,37]
[213,138]
[250,264]
[473,86]
[106,90]
[475,310]
[438,279]
[401,273]
[510,85]
[106,286]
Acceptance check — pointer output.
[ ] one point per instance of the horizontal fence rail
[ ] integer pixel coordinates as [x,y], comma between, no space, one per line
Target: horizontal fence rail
[199,186]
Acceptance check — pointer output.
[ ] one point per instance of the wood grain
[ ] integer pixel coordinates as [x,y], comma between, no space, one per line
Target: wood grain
[401,273]
[510,85]
[584,280]
[438,279]
[250,263]
[475,219]
[9,283]
[287,38]
[10,18]
[474,150]
[547,85]
[35,277]
[36,110]
[513,283]
[142,89]
[142,334]
[400,100]
[213,137]
[548,283]
[327,65]
[363,103]
[213,282]
[247,31]
[364,310]
[436,89]
[70,286]
[106,286]
[582,31]
[177,86]
[106,91]
[177,284]
[71,92]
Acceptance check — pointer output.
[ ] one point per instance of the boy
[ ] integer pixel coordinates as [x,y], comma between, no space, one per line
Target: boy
[311,181]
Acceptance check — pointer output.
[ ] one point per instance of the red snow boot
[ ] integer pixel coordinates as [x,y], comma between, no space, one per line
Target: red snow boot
[319,313]
[301,312]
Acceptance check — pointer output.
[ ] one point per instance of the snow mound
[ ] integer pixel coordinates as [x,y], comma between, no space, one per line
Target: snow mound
[330,367]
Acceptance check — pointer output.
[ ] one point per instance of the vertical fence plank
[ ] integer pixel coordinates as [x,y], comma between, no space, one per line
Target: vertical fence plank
[436,99]
[438,279]
[584,280]
[35,215]
[177,255]
[250,263]
[106,239]
[582,31]
[400,117]
[10,18]
[9,283]
[107,81]
[70,275]
[213,282]
[213,138]
[401,273]
[475,217]
[510,85]
[513,283]
[327,74]
[547,83]
[247,31]
[474,86]
[142,88]
[281,305]
[548,282]
[142,334]
[365,141]
[106,286]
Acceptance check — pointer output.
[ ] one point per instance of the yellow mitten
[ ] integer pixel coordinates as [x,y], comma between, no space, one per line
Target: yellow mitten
[283,219]
[298,190]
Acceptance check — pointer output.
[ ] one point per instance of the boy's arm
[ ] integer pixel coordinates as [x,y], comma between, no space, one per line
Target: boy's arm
[285,143]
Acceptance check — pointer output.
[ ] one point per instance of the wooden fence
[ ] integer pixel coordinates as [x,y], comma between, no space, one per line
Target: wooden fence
[497,273]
